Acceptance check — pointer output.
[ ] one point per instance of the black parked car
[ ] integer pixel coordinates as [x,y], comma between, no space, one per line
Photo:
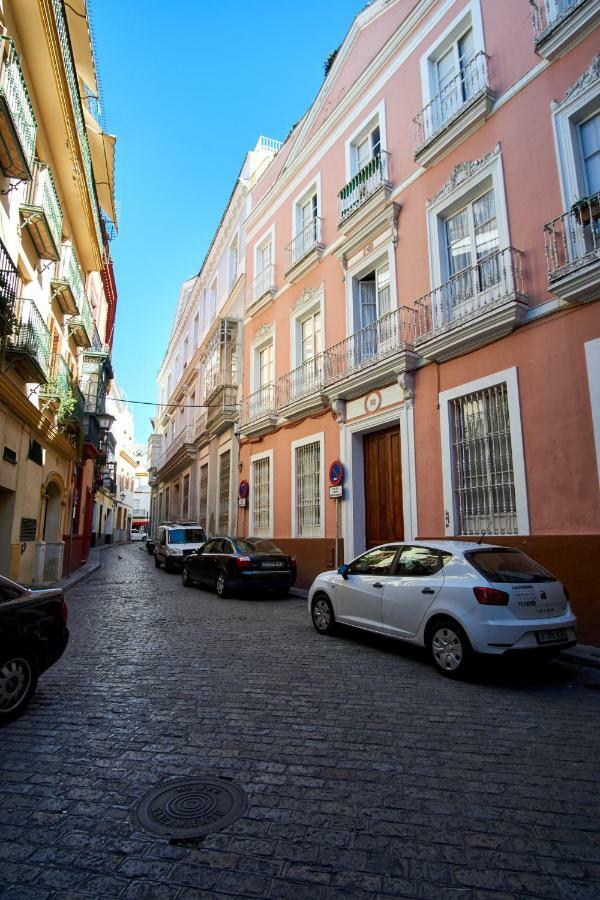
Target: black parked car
[33,636]
[232,565]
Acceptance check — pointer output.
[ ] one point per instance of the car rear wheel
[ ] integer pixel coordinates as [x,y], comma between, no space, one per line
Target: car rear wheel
[450,649]
[185,577]
[221,584]
[18,681]
[323,617]
[157,562]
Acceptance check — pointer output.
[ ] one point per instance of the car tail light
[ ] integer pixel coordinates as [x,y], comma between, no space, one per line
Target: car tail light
[293,561]
[64,612]
[243,562]
[491,596]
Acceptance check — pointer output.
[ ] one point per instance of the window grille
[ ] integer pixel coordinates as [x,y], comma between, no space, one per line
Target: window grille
[260,492]
[203,496]
[308,494]
[224,475]
[186,497]
[484,486]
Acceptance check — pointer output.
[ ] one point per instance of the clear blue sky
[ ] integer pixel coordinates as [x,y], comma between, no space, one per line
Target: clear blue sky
[188,88]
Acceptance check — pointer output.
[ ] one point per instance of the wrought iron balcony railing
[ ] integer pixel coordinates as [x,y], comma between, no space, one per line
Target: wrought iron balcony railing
[495,278]
[41,212]
[30,342]
[264,281]
[547,14]
[572,240]
[68,282]
[259,405]
[185,436]
[304,381]
[382,338]
[363,185]
[8,292]
[306,240]
[81,327]
[18,125]
[65,45]
[470,83]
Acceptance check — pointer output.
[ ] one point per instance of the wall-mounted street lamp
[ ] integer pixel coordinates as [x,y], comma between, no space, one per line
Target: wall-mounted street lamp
[105,421]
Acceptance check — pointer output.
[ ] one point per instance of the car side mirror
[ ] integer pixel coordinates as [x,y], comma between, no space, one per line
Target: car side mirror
[344,570]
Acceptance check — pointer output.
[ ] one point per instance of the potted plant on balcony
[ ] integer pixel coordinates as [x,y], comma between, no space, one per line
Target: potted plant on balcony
[587,209]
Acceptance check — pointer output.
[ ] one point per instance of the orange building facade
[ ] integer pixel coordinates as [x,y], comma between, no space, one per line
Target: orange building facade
[422,276]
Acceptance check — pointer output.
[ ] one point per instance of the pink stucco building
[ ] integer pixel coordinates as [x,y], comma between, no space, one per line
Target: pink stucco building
[422,267]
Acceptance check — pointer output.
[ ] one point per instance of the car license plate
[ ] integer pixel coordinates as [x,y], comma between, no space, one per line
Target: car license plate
[547,637]
[272,565]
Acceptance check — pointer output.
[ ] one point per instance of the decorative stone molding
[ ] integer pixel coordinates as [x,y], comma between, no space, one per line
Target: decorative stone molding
[583,82]
[309,295]
[393,220]
[338,408]
[462,172]
[406,383]
[265,331]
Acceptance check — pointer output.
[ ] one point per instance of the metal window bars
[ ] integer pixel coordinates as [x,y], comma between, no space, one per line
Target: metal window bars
[547,14]
[224,482]
[497,277]
[464,88]
[363,185]
[264,281]
[8,293]
[42,194]
[308,489]
[573,239]
[260,494]
[482,466]
[14,89]
[306,240]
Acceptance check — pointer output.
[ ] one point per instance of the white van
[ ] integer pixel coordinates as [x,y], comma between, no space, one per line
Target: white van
[174,542]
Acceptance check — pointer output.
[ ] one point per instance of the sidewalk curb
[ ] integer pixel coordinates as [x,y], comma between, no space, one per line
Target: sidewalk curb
[88,569]
[582,655]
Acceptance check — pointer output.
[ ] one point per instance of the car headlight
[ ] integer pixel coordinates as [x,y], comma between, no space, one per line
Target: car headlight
[176,551]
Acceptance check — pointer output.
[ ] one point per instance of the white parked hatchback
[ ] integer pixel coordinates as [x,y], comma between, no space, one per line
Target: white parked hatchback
[452,597]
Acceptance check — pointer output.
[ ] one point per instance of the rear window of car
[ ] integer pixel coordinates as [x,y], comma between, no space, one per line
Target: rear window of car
[508,566]
[257,545]
[186,536]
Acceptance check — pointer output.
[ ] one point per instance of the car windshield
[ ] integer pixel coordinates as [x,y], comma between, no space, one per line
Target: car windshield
[186,536]
[508,566]
[257,545]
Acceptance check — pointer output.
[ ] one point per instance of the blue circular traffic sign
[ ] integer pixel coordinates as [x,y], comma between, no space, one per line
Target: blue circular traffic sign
[336,473]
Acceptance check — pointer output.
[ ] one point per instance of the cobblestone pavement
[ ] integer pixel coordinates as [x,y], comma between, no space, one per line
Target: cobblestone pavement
[368,774]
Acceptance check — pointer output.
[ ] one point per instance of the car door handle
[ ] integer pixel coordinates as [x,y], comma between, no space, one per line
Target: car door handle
[428,591]
[377,584]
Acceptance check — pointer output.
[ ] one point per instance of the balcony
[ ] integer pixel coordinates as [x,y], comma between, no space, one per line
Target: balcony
[201,435]
[372,356]
[301,391]
[560,24]
[366,193]
[41,213]
[177,455]
[81,327]
[258,413]
[451,115]
[154,450]
[572,244]
[480,304]
[28,348]
[63,395]
[67,282]
[263,286]
[18,125]
[8,292]
[222,410]
[304,250]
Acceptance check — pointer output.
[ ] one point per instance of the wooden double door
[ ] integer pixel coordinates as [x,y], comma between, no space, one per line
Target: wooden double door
[384,518]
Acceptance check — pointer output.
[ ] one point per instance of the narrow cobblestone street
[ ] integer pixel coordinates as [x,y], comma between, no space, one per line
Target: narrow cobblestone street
[367,773]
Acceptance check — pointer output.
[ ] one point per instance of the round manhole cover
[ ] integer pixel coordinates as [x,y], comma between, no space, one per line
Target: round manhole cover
[190,807]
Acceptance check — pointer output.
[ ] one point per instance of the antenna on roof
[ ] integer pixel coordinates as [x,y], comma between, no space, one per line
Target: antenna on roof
[485,532]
